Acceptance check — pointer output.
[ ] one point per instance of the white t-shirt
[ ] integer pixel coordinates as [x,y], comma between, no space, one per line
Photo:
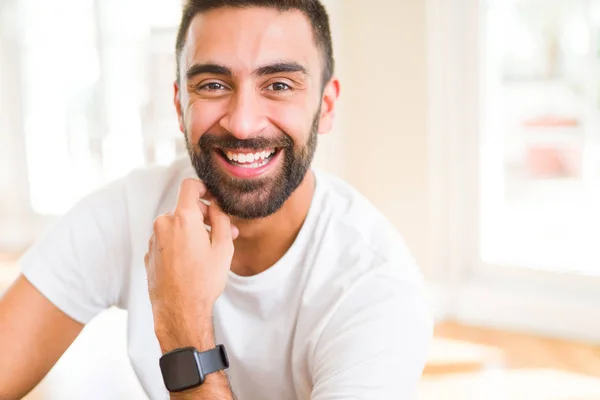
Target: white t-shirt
[342,315]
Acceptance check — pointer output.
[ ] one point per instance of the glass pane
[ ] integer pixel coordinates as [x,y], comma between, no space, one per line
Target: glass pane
[540,155]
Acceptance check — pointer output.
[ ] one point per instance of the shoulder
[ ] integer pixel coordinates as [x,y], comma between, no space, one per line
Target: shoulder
[364,238]
[360,262]
[367,288]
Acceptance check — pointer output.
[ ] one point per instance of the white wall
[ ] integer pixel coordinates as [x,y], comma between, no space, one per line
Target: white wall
[380,141]
[331,154]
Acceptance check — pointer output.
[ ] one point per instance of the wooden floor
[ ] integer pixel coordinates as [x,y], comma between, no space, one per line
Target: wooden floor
[478,363]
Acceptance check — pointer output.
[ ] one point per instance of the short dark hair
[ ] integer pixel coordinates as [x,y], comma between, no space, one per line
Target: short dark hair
[313,9]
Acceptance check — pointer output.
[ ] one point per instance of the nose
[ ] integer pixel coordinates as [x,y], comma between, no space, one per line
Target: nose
[245,117]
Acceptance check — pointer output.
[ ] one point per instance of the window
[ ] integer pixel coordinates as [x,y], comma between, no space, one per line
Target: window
[540,144]
[515,162]
[97,84]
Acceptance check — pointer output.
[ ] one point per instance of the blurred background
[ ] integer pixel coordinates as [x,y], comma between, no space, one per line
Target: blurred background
[474,125]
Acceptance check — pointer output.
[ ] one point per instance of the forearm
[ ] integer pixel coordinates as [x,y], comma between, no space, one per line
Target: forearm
[201,336]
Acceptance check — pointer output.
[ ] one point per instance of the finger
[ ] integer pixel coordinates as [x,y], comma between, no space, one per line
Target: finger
[153,247]
[150,249]
[221,227]
[235,232]
[150,242]
[208,197]
[190,192]
[203,204]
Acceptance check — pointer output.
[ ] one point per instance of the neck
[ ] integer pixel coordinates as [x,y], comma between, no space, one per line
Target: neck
[262,242]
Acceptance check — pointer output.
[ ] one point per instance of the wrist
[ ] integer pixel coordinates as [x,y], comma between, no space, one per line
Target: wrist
[198,334]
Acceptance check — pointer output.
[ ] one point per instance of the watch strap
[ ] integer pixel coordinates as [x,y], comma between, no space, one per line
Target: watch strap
[213,360]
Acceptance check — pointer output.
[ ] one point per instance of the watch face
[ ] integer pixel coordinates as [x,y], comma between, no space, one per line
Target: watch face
[180,370]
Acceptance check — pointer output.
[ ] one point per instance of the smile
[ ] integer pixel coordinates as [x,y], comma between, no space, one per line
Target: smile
[250,160]
[248,163]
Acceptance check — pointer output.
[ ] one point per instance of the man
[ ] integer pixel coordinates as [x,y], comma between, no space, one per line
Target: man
[309,289]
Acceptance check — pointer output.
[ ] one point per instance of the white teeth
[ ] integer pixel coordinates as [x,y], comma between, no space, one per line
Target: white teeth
[254,165]
[256,159]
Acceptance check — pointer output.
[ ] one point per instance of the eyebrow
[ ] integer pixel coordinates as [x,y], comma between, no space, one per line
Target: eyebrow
[280,67]
[208,68]
[217,69]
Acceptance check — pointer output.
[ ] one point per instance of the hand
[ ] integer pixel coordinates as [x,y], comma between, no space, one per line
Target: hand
[186,266]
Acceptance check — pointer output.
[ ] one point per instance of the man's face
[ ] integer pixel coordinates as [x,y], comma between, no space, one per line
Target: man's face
[250,105]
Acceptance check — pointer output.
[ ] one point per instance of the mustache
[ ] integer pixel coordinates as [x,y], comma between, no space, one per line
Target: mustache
[230,142]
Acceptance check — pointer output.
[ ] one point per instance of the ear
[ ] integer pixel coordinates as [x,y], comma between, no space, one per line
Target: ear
[177,102]
[330,96]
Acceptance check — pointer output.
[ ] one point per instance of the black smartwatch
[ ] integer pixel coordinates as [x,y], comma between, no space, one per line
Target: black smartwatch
[186,368]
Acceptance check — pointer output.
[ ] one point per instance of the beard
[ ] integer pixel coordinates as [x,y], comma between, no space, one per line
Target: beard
[258,197]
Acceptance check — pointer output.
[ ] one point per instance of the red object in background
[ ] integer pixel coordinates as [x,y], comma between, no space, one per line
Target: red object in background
[553,158]
[551,122]
[547,161]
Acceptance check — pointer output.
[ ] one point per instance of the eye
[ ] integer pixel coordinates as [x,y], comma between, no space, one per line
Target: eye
[279,87]
[212,87]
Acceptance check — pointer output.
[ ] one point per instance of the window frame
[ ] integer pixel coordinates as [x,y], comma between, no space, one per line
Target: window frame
[465,288]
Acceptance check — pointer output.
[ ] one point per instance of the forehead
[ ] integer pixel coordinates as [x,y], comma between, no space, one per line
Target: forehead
[245,38]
